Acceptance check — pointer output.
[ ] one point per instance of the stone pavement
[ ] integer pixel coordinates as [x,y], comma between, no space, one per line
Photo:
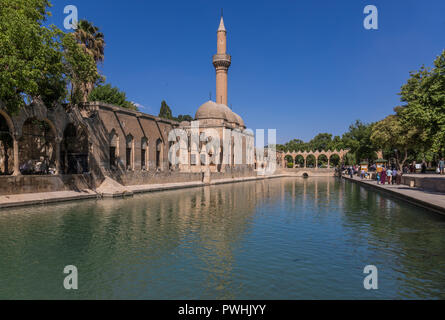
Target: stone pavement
[430,200]
[26,199]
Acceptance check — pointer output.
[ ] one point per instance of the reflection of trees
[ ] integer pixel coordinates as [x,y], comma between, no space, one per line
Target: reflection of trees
[417,245]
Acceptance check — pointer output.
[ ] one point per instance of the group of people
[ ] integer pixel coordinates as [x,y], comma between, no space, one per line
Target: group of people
[37,167]
[390,176]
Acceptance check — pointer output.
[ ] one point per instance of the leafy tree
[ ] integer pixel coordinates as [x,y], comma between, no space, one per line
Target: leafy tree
[390,136]
[165,111]
[30,55]
[185,117]
[322,141]
[111,95]
[358,141]
[424,95]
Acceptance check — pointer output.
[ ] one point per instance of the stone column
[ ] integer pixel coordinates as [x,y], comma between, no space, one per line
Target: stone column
[329,163]
[305,163]
[57,149]
[316,163]
[16,156]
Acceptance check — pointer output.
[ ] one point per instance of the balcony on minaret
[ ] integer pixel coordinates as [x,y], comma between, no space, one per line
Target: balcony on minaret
[222,60]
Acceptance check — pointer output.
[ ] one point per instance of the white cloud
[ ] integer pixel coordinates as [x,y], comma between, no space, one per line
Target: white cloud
[141,107]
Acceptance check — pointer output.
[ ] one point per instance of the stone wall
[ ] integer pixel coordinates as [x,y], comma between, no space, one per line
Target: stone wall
[46,183]
[433,183]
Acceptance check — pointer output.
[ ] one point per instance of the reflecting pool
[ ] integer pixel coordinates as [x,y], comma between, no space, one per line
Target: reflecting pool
[286,238]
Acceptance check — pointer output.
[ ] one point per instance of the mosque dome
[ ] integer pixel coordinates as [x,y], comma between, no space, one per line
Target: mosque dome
[211,110]
[230,116]
[239,119]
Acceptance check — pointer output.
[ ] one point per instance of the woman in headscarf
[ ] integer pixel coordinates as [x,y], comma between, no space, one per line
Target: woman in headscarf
[383,178]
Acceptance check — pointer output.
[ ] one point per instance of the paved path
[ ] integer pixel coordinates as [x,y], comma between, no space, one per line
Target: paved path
[27,199]
[427,199]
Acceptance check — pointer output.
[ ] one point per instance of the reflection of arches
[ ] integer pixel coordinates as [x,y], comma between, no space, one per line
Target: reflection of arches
[310,161]
[322,161]
[6,145]
[37,150]
[159,154]
[114,149]
[129,152]
[144,154]
[74,150]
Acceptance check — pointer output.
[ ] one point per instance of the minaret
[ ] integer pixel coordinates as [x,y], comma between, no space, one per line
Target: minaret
[221,62]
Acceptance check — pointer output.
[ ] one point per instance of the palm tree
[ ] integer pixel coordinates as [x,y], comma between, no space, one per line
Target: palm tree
[90,39]
[93,42]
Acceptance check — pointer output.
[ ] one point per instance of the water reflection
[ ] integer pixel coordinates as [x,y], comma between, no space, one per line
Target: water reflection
[276,239]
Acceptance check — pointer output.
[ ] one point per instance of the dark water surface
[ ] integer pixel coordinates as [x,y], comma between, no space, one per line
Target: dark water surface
[286,238]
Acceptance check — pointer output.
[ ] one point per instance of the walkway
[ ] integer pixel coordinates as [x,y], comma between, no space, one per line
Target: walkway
[427,199]
[26,199]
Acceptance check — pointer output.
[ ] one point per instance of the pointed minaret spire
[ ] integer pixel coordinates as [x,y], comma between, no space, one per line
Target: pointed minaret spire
[221,24]
[221,62]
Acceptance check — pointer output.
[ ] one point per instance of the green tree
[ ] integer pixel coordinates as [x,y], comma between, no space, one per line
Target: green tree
[111,95]
[30,55]
[165,111]
[322,141]
[424,109]
[80,69]
[358,141]
[391,136]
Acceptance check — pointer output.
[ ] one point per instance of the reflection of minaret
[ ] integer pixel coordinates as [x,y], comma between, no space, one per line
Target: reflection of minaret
[221,62]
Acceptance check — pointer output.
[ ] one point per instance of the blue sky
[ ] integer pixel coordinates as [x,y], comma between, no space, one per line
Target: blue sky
[302,67]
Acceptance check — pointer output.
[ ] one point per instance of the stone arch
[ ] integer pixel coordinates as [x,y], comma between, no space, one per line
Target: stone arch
[145,154]
[335,159]
[299,161]
[6,144]
[311,160]
[113,149]
[38,147]
[129,153]
[322,160]
[159,154]
[74,150]
[289,161]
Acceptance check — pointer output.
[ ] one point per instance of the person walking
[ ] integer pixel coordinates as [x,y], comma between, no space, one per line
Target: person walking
[378,177]
[383,177]
[394,176]
[442,166]
[389,175]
